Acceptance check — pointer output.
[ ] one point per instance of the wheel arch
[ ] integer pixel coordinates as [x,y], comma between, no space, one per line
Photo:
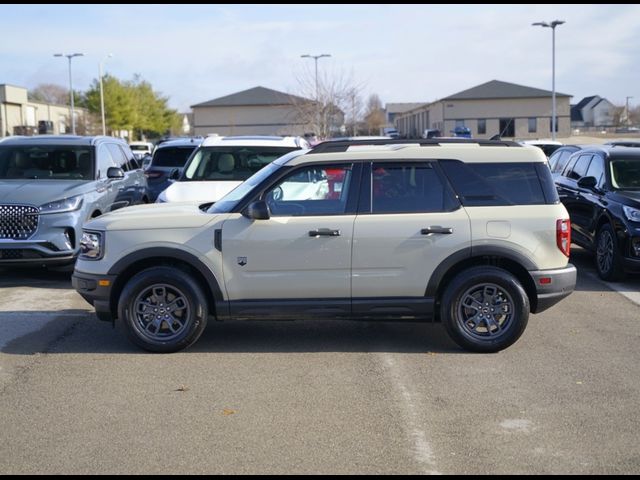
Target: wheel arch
[511,261]
[136,262]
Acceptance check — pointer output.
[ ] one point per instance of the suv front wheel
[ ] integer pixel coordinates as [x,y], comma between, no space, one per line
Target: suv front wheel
[164,309]
[485,309]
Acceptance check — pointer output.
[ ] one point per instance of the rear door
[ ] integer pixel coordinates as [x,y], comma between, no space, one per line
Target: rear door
[408,223]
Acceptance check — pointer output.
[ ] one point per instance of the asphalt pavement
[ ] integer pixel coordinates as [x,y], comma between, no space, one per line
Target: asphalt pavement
[317,397]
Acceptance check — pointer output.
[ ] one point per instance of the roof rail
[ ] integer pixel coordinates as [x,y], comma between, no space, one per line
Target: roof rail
[330,146]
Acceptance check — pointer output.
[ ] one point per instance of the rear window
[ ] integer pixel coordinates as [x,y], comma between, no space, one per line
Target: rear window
[500,184]
[172,156]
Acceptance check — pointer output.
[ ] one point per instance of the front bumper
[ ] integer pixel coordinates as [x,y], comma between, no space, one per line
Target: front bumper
[55,242]
[552,286]
[95,290]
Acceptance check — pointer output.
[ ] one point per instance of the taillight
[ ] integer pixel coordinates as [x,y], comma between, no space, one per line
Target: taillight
[563,236]
[152,174]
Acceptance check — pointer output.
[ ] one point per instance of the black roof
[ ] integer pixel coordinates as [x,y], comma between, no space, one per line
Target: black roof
[254,96]
[330,146]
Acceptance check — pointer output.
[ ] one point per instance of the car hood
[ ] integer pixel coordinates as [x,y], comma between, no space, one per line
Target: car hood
[39,192]
[152,217]
[199,191]
[627,197]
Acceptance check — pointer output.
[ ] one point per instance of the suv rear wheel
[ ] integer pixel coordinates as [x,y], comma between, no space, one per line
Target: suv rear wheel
[485,309]
[164,309]
[608,260]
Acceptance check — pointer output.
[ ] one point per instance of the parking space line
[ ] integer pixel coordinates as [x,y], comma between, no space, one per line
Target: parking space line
[422,451]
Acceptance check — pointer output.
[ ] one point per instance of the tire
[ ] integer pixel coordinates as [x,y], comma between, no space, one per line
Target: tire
[177,302]
[608,261]
[470,309]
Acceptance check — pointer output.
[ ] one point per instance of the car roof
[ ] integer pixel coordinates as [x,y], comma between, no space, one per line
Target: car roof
[612,150]
[76,140]
[255,141]
[464,151]
[181,142]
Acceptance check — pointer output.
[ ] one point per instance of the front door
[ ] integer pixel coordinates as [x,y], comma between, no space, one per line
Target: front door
[301,256]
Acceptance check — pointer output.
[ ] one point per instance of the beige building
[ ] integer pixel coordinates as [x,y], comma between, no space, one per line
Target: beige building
[19,116]
[493,108]
[257,111]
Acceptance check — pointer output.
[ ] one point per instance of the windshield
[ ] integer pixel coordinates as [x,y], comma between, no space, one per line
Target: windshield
[625,173]
[172,156]
[47,162]
[231,163]
[231,199]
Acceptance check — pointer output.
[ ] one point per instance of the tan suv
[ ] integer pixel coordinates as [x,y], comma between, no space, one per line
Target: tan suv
[467,232]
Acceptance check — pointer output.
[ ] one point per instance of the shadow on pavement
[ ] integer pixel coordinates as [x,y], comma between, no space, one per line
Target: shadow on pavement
[35,278]
[75,331]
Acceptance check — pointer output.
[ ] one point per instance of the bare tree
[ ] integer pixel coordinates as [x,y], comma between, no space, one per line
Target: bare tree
[325,102]
[374,114]
[50,93]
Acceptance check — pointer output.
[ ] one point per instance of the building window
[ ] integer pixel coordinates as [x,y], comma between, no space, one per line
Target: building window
[482,126]
[507,127]
[459,123]
[533,125]
[551,124]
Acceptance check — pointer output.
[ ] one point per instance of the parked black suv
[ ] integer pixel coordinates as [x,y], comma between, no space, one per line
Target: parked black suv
[600,187]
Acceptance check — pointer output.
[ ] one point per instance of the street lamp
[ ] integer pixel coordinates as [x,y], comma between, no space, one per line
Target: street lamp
[70,56]
[316,57]
[552,25]
[627,111]
[104,125]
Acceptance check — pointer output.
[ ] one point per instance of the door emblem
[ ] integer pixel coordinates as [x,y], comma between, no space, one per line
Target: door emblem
[242,261]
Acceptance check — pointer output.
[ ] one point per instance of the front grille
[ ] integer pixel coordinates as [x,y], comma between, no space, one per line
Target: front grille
[18,254]
[18,222]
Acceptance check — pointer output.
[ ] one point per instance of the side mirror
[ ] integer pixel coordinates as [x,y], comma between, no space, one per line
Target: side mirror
[175,174]
[115,173]
[257,211]
[588,182]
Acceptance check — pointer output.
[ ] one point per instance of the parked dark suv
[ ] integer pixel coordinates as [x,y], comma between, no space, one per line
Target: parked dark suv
[51,185]
[600,187]
[169,156]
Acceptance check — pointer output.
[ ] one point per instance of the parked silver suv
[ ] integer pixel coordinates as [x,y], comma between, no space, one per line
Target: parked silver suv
[51,185]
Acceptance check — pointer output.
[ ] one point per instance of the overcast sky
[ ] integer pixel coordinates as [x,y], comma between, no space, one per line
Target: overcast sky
[404,53]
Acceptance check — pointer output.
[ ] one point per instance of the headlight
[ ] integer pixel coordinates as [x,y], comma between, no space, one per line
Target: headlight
[91,245]
[632,214]
[59,206]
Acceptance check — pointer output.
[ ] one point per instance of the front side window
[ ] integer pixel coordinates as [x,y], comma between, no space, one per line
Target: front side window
[313,190]
[596,170]
[580,167]
[231,163]
[408,188]
[44,162]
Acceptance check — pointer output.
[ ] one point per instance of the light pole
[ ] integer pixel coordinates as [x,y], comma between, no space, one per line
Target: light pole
[552,25]
[70,56]
[104,125]
[627,111]
[316,57]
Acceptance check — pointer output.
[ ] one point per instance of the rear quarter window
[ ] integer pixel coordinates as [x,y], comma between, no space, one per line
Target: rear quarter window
[501,184]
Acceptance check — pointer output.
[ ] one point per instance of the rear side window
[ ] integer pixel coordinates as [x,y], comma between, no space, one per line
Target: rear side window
[500,184]
[409,188]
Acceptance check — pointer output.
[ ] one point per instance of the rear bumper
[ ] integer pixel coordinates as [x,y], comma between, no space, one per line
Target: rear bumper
[552,286]
[89,287]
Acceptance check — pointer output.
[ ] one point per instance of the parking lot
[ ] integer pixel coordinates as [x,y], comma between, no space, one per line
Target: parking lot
[318,397]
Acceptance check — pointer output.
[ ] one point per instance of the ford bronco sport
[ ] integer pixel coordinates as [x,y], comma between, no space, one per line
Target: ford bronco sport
[466,232]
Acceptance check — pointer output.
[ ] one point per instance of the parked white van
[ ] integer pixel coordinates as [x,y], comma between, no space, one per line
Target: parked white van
[220,164]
